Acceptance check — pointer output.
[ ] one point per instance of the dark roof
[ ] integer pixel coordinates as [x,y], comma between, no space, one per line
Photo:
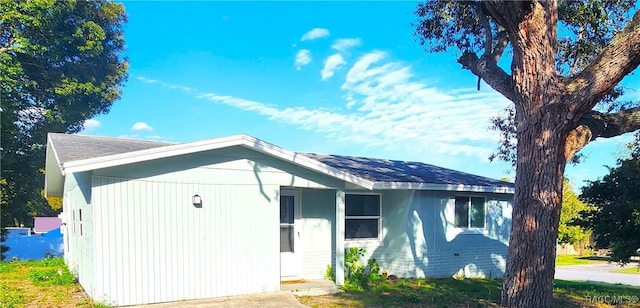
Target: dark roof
[384,170]
[77,147]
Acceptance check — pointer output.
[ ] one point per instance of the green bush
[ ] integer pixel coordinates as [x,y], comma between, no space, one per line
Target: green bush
[329,273]
[356,273]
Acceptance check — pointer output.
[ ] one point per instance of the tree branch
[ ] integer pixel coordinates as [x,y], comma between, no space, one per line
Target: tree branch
[616,61]
[607,125]
[487,69]
[488,34]
[501,44]
[596,124]
[508,13]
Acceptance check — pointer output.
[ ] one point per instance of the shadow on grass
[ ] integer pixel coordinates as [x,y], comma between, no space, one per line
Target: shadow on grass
[466,293]
[582,294]
[595,258]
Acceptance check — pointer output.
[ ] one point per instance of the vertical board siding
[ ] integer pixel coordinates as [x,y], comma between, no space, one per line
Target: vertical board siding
[318,213]
[80,254]
[156,246]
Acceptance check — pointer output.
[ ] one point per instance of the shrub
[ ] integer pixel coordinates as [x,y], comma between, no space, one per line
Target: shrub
[356,273]
[329,273]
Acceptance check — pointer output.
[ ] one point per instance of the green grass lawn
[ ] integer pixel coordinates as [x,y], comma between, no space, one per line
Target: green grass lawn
[42,283]
[48,283]
[629,270]
[468,293]
[577,260]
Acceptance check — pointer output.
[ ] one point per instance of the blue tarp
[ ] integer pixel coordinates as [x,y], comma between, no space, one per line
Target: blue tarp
[34,247]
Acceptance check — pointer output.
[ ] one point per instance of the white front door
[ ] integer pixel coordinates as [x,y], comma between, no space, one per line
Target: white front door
[289,233]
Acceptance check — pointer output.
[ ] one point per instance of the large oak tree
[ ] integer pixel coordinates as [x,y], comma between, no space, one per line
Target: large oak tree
[566,59]
[61,63]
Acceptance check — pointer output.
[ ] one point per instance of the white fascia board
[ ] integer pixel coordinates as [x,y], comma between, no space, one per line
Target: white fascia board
[207,145]
[444,187]
[54,178]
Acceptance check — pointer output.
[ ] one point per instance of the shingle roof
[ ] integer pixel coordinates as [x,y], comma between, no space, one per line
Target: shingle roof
[383,170]
[77,147]
[70,148]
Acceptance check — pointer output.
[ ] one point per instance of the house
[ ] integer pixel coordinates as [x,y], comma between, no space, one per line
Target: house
[148,222]
[45,224]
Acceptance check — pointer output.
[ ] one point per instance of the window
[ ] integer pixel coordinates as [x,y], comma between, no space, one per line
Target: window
[287,229]
[470,212]
[362,216]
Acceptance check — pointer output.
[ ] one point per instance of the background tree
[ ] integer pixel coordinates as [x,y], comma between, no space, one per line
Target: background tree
[566,58]
[569,232]
[615,220]
[61,64]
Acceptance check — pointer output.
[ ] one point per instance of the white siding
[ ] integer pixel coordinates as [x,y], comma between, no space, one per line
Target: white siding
[158,247]
[317,231]
[153,245]
[78,233]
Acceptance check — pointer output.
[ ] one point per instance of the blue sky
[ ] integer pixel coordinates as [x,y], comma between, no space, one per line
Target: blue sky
[344,78]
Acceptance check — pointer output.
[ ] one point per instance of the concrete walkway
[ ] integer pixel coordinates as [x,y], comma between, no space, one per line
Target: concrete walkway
[597,272]
[270,300]
[285,298]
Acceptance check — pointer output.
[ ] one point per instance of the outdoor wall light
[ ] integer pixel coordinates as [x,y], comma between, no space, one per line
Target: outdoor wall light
[197,200]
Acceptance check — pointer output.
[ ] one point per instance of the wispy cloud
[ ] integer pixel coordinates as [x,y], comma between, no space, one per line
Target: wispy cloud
[143,137]
[345,43]
[386,106]
[315,33]
[91,124]
[141,126]
[167,85]
[147,80]
[303,57]
[332,63]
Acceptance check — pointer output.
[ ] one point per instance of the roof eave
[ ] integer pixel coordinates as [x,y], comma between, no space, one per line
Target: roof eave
[443,187]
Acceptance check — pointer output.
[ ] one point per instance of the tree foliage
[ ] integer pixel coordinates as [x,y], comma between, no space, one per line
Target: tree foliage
[61,64]
[560,63]
[569,231]
[585,29]
[615,219]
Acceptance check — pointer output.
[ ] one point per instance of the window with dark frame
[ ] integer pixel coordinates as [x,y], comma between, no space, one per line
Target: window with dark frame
[362,216]
[287,208]
[469,212]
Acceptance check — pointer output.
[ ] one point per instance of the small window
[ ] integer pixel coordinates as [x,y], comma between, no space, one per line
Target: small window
[362,217]
[469,212]
[80,214]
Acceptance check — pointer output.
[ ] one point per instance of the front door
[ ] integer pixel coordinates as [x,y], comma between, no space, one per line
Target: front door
[289,233]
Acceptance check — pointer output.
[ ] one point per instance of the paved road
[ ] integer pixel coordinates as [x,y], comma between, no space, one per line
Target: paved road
[597,272]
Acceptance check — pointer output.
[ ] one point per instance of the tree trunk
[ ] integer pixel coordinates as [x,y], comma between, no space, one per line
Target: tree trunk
[537,201]
[542,129]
